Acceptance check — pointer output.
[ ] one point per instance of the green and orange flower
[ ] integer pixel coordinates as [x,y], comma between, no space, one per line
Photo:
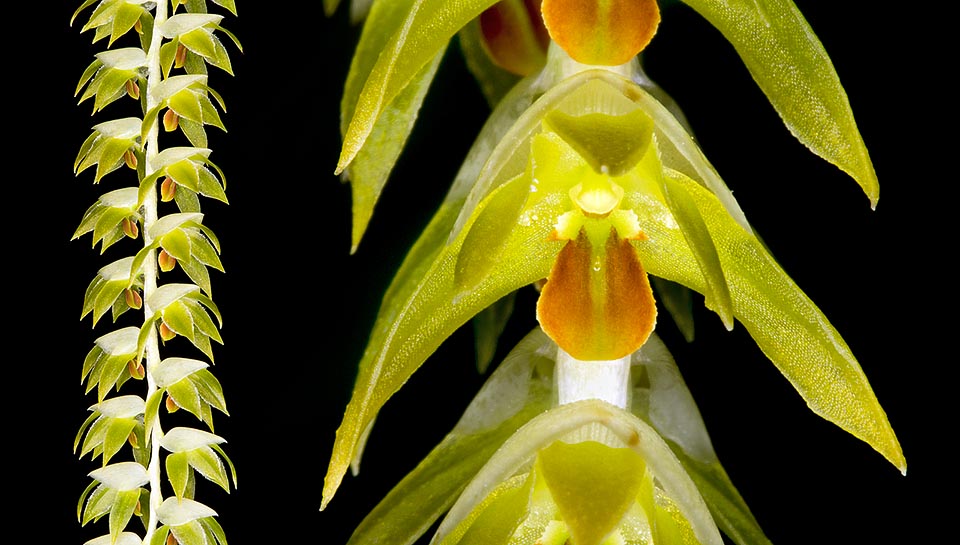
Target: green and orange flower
[581,176]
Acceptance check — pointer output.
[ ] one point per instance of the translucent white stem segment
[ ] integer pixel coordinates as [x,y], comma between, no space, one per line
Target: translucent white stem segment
[604,380]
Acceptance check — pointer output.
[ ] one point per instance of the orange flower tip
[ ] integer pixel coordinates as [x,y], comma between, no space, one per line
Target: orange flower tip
[170,120]
[129,227]
[597,303]
[168,189]
[132,89]
[171,540]
[136,369]
[133,299]
[132,440]
[166,333]
[606,33]
[513,36]
[181,56]
[166,261]
[172,407]
[130,159]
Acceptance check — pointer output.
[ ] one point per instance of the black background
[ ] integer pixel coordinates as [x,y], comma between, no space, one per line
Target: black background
[298,307]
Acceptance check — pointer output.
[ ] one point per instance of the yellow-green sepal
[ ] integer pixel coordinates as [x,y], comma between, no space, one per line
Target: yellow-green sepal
[684,210]
[375,157]
[786,325]
[793,69]
[519,389]
[417,31]
[421,311]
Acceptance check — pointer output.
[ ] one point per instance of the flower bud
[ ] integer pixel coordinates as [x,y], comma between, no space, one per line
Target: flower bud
[133,299]
[130,159]
[136,369]
[181,57]
[166,261]
[170,120]
[133,89]
[171,406]
[130,228]
[513,35]
[166,333]
[168,189]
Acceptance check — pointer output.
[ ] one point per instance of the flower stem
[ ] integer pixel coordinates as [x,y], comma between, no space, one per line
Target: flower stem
[150,213]
[605,380]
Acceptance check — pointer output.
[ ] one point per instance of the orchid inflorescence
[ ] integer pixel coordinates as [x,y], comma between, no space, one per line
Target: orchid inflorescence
[158,57]
[585,183]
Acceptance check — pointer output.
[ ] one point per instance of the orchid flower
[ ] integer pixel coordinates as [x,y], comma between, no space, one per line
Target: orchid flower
[585,183]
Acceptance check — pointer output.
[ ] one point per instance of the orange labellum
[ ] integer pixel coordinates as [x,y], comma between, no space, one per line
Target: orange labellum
[604,32]
[597,305]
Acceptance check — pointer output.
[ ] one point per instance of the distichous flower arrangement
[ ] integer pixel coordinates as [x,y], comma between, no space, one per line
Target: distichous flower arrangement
[157,165]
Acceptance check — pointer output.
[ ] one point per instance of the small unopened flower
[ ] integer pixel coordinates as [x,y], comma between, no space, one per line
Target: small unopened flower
[166,261]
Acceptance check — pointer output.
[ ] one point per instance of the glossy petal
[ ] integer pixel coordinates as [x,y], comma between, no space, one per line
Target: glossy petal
[597,305]
[602,33]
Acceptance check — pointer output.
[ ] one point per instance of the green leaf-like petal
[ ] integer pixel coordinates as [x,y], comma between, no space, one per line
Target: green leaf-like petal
[684,210]
[420,35]
[177,244]
[488,325]
[419,315]
[178,472]
[122,510]
[513,395]
[206,462]
[375,159]
[793,69]
[792,331]
[184,393]
[178,318]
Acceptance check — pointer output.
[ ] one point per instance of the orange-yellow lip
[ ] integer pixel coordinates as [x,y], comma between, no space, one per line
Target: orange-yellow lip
[597,303]
[607,32]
